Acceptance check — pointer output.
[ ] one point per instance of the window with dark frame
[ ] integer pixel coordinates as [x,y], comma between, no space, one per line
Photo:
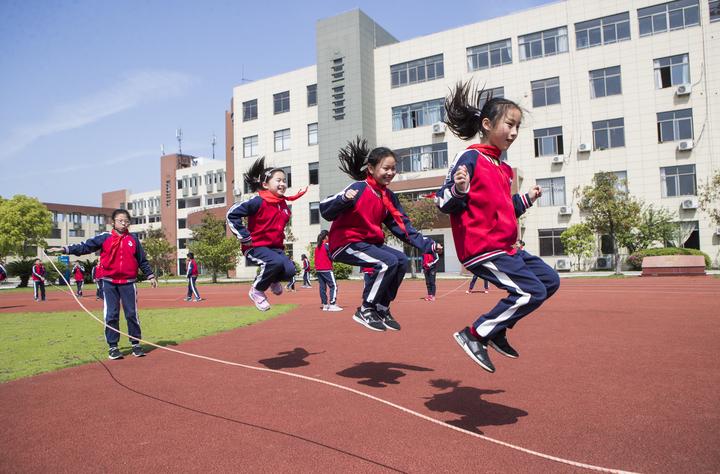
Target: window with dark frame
[550,243]
[548,141]
[674,125]
[545,92]
[313,173]
[605,82]
[250,111]
[668,16]
[281,102]
[605,30]
[489,55]
[314,212]
[312,95]
[678,181]
[608,134]
[419,70]
[672,71]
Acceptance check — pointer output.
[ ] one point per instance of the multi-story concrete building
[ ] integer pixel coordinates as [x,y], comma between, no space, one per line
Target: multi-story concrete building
[630,87]
[75,224]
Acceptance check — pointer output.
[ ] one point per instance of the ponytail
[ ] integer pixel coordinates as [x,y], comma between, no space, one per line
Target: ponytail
[467,107]
[257,174]
[356,156]
[321,236]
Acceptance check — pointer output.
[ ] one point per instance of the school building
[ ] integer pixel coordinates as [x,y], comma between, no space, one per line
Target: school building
[630,87]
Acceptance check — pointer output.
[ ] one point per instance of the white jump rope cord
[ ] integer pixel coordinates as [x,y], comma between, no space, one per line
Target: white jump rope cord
[357,392]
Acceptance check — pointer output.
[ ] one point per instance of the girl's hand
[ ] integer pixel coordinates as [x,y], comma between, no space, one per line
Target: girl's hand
[153,282]
[54,250]
[350,194]
[534,193]
[462,182]
[438,248]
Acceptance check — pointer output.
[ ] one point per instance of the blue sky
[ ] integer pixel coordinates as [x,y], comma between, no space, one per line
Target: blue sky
[90,90]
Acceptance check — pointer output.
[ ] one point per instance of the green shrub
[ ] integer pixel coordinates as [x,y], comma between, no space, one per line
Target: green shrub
[635,260]
[21,269]
[342,270]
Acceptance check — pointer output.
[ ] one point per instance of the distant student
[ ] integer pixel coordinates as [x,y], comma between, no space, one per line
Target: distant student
[483,216]
[98,283]
[291,286]
[356,237]
[3,273]
[121,254]
[263,239]
[192,275]
[306,271]
[324,272]
[430,261]
[38,277]
[472,284]
[79,276]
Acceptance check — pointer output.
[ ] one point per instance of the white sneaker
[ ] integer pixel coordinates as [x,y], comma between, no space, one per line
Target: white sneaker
[325,307]
[276,288]
[259,298]
[333,307]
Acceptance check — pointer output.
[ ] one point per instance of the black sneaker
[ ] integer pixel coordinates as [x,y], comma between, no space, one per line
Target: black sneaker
[500,343]
[114,353]
[188,299]
[474,348]
[388,320]
[369,318]
[137,350]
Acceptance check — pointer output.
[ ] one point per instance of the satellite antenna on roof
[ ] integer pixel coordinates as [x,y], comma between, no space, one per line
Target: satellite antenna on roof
[178,135]
[162,149]
[242,75]
[213,146]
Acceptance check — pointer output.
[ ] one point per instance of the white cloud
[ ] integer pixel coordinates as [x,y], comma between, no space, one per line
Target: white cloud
[135,89]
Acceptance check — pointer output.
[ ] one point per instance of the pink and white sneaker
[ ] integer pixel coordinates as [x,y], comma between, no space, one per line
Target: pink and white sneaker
[259,298]
[276,288]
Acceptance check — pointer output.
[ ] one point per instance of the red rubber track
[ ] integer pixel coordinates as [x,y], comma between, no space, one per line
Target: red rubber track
[615,373]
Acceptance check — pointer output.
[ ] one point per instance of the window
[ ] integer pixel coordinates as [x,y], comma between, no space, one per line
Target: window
[608,134]
[282,139]
[668,16]
[182,223]
[313,173]
[550,243]
[674,125]
[678,181]
[179,183]
[606,30]
[249,110]
[422,158]
[338,102]
[281,102]
[312,95]
[420,70]
[418,114]
[182,243]
[314,213]
[250,146]
[312,134]
[548,141]
[181,204]
[605,82]
[288,175]
[543,43]
[553,192]
[672,71]
[714,6]
[546,92]
[489,55]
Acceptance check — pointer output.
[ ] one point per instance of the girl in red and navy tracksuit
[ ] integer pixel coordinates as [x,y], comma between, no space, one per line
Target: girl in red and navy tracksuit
[120,256]
[263,238]
[95,275]
[483,215]
[3,272]
[192,274]
[325,275]
[430,271]
[306,271]
[38,277]
[79,275]
[356,235]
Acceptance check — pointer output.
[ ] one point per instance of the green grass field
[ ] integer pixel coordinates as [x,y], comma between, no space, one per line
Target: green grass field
[33,343]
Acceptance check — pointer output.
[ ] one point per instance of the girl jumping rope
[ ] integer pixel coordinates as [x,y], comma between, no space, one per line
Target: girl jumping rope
[483,216]
[306,271]
[325,275]
[263,237]
[356,236]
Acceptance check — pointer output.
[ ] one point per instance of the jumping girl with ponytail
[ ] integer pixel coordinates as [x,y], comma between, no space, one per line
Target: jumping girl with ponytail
[484,215]
[356,236]
[263,237]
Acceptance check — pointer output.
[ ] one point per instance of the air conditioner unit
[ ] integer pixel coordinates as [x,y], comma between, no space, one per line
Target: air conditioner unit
[683,89]
[717,231]
[237,191]
[562,264]
[690,203]
[558,159]
[584,147]
[438,128]
[685,145]
[565,210]
[604,263]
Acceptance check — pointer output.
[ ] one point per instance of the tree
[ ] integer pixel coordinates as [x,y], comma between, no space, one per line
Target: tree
[610,210]
[654,225]
[579,240]
[159,251]
[423,214]
[24,223]
[217,252]
[709,198]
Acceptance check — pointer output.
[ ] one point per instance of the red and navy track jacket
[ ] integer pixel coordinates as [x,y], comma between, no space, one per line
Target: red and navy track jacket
[484,219]
[322,258]
[192,268]
[78,272]
[430,260]
[265,223]
[3,273]
[306,264]
[360,220]
[38,272]
[120,267]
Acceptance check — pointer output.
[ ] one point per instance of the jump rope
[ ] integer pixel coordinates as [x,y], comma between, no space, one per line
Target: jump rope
[349,389]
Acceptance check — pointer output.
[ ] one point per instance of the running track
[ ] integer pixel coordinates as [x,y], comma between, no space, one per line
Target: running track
[615,373]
